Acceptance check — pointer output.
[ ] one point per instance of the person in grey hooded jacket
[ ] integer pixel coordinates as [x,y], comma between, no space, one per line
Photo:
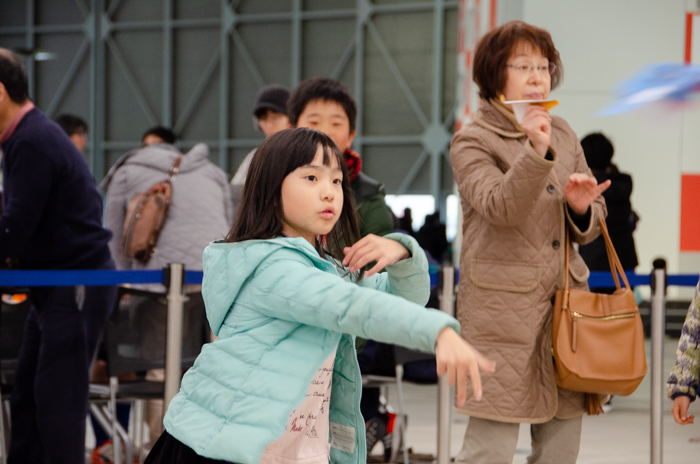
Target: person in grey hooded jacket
[201,212]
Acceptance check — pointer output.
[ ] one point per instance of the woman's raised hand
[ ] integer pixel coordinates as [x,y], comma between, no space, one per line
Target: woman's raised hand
[457,358]
[581,190]
[537,124]
[373,248]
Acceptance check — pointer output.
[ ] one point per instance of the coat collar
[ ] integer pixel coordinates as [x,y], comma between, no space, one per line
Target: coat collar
[494,116]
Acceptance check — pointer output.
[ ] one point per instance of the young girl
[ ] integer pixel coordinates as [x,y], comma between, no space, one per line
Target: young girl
[281,383]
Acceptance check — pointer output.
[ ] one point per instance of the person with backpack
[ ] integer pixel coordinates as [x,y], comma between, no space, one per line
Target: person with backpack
[201,210]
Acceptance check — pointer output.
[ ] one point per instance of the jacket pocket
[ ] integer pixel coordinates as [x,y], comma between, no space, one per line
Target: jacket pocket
[502,302]
[505,276]
[578,269]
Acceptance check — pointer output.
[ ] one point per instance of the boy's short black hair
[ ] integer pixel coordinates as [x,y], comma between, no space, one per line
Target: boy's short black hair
[321,88]
[13,75]
[164,133]
[71,124]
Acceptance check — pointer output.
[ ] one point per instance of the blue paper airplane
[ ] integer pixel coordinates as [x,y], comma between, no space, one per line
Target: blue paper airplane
[669,82]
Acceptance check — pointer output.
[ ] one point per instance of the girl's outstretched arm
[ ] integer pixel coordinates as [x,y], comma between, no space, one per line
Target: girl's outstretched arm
[457,358]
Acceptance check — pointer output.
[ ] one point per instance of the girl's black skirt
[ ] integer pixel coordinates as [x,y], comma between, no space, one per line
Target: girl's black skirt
[170,450]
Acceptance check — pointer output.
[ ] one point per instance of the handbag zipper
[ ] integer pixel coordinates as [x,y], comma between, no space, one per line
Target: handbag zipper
[603,318]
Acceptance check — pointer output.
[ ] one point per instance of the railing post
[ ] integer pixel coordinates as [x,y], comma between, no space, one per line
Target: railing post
[174,279]
[446,287]
[658,329]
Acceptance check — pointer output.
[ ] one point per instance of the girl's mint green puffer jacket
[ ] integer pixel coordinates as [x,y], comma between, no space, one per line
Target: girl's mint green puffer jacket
[279,311]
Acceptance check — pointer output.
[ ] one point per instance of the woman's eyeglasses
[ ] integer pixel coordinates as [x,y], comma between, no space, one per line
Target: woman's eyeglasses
[526,69]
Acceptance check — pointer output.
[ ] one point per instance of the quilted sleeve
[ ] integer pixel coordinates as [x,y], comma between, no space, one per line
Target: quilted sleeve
[685,376]
[407,278]
[598,209]
[504,199]
[115,213]
[292,290]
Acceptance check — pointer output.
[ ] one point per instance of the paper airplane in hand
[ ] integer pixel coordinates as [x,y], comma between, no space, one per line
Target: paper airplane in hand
[665,82]
[519,106]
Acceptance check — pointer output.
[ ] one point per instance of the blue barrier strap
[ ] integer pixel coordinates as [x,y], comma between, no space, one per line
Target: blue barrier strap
[602,279]
[92,277]
[88,277]
[683,280]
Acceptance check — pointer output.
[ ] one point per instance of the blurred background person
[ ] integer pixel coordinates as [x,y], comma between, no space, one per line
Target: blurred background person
[201,212]
[432,237]
[52,220]
[269,117]
[622,219]
[405,222]
[76,128]
[158,135]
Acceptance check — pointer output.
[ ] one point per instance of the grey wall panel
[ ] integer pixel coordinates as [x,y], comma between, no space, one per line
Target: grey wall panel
[327,47]
[135,10]
[196,86]
[263,6]
[196,9]
[50,73]
[325,5]
[393,162]
[51,12]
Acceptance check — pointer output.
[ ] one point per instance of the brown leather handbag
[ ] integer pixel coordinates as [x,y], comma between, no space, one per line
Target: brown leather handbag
[145,217]
[598,339]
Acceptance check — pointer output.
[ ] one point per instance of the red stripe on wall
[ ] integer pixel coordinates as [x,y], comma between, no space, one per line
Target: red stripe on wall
[688,36]
[690,212]
[492,15]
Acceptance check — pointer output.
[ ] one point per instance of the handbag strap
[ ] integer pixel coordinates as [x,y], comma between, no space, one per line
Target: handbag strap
[615,264]
[175,168]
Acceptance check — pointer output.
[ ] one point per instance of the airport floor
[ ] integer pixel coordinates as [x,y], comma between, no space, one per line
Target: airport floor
[620,436]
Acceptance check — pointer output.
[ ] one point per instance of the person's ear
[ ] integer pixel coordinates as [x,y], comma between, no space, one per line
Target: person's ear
[351,138]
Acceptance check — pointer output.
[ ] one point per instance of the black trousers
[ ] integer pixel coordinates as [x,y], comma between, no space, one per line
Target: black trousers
[170,450]
[50,395]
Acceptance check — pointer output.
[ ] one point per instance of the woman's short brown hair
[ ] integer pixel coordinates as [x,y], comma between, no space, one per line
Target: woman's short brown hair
[495,48]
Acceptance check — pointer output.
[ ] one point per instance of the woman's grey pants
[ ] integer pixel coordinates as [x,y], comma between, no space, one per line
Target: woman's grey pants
[493,442]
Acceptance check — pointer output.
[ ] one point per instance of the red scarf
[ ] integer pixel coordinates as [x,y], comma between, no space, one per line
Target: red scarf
[354,163]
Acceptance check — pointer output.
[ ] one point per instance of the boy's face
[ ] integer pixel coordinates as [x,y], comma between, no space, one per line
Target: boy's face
[329,117]
[272,122]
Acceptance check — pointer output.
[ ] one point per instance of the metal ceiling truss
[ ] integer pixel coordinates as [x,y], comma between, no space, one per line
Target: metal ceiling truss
[98,42]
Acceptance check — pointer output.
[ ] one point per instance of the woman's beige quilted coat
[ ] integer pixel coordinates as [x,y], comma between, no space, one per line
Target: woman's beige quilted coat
[512,260]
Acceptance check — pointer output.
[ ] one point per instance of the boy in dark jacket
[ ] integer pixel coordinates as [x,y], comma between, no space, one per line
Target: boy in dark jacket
[326,105]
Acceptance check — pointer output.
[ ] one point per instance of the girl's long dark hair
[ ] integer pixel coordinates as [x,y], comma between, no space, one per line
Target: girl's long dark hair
[260,214]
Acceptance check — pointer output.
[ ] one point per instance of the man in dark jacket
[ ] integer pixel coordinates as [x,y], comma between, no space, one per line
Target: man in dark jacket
[52,219]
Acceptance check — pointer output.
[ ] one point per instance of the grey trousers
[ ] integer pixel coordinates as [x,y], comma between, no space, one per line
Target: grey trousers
[493,442]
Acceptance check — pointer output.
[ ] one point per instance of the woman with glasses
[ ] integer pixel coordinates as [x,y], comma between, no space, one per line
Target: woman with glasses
[522,186]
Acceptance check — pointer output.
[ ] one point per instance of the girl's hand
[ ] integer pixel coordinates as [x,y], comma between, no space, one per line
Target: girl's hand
[537,124]
[458,358]
[581,190]
[680,410]
[373,248]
